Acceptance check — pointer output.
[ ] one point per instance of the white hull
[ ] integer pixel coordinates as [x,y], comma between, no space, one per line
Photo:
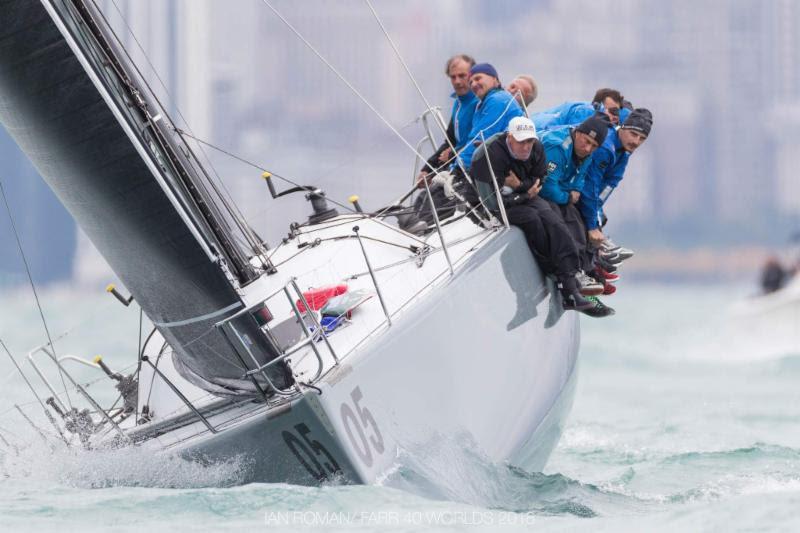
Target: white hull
[493,360]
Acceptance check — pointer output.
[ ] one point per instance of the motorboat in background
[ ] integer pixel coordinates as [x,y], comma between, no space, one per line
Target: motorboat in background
[321,357]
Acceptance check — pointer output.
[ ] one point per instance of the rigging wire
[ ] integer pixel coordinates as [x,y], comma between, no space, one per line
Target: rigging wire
[347,163]
[442,127]
[295,184]
[33,288]
[21,373]
[342,78]
[364,100]
[229,203]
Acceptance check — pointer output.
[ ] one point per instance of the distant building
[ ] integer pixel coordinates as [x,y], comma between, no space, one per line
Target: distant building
[46,230]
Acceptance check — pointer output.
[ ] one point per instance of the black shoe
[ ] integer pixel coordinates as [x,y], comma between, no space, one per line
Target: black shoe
[576,302]
[598,309]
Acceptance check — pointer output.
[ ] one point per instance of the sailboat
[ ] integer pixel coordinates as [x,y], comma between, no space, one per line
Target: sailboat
[322,357]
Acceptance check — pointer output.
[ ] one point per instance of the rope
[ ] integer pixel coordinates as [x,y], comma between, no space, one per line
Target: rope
[33,286]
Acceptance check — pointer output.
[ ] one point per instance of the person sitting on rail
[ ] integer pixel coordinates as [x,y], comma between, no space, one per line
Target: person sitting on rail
[603,176]
[514,162]
[495,108]
[568,151]
[457,69]
[608,101]
[524,89]
[493,113]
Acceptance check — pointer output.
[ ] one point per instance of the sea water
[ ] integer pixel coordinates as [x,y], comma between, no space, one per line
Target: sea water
[682,421]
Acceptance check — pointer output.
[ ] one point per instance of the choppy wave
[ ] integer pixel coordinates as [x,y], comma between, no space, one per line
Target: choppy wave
[40,462]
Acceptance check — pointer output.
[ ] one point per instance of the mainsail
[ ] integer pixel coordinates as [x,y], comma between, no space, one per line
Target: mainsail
[77,109]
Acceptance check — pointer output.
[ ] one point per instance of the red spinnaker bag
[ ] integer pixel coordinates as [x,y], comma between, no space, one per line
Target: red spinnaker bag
[317,298]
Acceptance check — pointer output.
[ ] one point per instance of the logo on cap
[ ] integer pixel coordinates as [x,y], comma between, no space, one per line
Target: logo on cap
[592,134]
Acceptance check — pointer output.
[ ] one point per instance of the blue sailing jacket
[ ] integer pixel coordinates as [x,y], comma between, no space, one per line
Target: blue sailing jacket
[563,173]
[566,114]
[462,113]
[492,115]
[569,114]
[605,172]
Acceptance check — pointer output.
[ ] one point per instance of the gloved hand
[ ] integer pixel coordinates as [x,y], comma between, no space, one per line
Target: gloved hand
[444,179]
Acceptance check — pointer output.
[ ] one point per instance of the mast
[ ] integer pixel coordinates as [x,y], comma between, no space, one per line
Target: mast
[175,152]
[92,128]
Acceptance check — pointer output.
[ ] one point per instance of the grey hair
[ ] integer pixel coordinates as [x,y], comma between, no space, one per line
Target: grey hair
[463,57]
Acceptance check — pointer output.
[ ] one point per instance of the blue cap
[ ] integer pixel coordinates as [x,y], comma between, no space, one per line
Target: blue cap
[484,68]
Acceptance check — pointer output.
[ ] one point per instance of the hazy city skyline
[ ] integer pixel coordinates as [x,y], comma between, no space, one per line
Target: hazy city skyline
[722,80]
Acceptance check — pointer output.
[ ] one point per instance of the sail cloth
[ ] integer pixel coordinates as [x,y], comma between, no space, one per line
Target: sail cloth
[93,154]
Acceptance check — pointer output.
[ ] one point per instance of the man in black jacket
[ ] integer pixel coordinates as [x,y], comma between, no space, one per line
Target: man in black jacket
[515,161]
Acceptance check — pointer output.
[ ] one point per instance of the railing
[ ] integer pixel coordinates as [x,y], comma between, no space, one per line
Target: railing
[235,339]
[61,408]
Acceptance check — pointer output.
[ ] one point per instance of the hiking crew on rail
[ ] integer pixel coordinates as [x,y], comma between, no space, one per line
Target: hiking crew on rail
[555,172]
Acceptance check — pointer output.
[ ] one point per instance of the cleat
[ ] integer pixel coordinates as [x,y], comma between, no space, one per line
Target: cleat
[598,309]
[588,286]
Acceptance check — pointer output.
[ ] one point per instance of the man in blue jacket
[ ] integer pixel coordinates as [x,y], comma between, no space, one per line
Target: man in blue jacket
[495,109]
[568,152]
[608,101]
[603,175]
[465,101]
[607,169]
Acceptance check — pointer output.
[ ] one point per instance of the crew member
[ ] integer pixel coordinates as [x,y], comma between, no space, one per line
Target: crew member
[515,161]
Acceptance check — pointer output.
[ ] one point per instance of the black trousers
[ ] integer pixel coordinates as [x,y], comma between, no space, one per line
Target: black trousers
[445,207]
[577,229]
[548,237]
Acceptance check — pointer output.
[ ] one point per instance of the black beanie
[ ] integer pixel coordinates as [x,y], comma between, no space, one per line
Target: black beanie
[595,127]
[640,120]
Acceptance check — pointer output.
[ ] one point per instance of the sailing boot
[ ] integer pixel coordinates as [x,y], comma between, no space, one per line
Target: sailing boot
[605,265]
[612,248]
[588,286]
[573,300]
[608,289]
[598,309]
[601,275]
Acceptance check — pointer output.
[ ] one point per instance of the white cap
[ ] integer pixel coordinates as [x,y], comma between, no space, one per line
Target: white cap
[522,129]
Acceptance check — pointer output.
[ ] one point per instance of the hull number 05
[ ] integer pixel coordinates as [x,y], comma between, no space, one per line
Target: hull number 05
[362,429]
[311,453]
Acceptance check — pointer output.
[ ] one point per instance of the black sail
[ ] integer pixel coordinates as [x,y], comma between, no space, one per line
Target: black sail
[128,186]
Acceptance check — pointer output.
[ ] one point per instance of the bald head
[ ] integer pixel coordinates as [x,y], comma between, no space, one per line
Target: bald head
[524,89]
